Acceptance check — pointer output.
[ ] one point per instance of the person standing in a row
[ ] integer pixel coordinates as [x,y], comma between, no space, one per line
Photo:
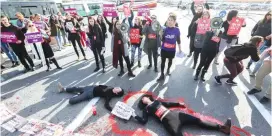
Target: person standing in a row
[61,28]
[103,26]
[111,24]
[11,55]
[54,25]
[137,25]
[73,28]
[97,43]
[170,37]
[19,46]
[21,22]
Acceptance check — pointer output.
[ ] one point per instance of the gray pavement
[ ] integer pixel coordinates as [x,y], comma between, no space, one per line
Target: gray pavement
[33,95]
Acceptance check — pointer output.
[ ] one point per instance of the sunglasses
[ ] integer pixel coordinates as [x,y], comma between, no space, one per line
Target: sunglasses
[30,25]
[153,17]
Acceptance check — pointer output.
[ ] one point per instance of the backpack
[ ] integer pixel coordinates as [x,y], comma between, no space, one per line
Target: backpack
[232,52]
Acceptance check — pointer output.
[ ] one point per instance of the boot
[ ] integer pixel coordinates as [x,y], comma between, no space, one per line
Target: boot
[96,69]
[194,66]
[248,65]
[56,63]
[190,54]
[3,67]
[203,74]
[130,74]
[226,127]
[139,64]
[156,69]
[103,70]
[48,65]
[160,78]
[13,64]
[168,72]
[197,73]
[132,63]
[17,63]
[121,72]
[150,65]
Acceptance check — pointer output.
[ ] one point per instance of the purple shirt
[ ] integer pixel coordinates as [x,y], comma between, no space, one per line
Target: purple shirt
[170,37]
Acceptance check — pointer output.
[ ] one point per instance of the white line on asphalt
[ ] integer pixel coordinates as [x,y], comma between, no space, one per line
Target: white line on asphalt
[265,113]
[84,114]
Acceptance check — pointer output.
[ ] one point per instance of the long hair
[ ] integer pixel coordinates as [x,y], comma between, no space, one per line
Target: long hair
[206,11]
[52,20]
[231,14]
[102,19]
[255,40]
[264,19]
[116,31]
[141,105]
[89,25]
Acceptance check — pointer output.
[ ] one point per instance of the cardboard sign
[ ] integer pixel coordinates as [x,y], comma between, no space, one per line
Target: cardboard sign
[72,11]
[14,124]
[39,25]
[109,10]
[203,25]
[143,12]
[122,110]
[126,10]
[34,37]
[8,37]
[134,36]
[199,2]
[235,26]
[215,39]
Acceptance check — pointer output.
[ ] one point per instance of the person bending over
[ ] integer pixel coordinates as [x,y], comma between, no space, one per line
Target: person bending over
[174,121]
[89,92]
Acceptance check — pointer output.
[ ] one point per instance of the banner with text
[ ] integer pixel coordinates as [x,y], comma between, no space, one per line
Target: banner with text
[109,10]
[203,25]
[134,36]
[34,37]
[143,12]
[122,110]
[8,37]
[235,26]
[72,11]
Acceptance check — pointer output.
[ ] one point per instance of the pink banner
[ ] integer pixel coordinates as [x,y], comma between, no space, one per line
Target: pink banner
[143,12]
[39,25]
[199,2]
[109,10]
[235,26]
[203,25]
[72,11]
[8,37]
[126,10]
[34,37]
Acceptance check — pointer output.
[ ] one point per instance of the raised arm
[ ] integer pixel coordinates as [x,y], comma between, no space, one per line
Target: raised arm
[207,6]
[193,8]
[144,119]
[107,21]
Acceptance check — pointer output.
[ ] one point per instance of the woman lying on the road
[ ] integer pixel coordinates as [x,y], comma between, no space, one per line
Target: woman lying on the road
[89,92]
[173,121]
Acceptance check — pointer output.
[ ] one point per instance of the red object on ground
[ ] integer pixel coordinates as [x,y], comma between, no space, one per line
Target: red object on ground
[94,110]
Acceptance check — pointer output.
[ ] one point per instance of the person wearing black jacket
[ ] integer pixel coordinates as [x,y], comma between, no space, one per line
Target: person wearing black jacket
[174,121]
[54,29]
[97,41]
[137,25]
[103,26]
[89,92]
[18,47]
[208,52]
[197,14]
[73,28]
[113,20]
[262,28]
[61,27]
[235,55]
[128,20]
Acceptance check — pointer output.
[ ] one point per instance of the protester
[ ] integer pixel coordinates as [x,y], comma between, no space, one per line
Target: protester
[128,20]
[54,29]
[73,28]
[262,28]
[152,43]
[89,92]
[262,73]
[120,49]
[21,21]
[31,18]
[97,41]
[234,56]
[137,25]
[18,47]
[103,26]
[170,37]
[172,120]
[170,14]
[82,32]
[199,38]
[11,55]
[37,19]
[47,50]
[197,14]
[208,52]
[113,20]
[62,28]
[227,40]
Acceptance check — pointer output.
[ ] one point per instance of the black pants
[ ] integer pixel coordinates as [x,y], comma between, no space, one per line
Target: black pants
[121,56]
[74,39]
[197,51]
[192,42]
[97,52]
[152,52]
[22,54]
[163,64]
[205,60]
[174,122]
[83,94]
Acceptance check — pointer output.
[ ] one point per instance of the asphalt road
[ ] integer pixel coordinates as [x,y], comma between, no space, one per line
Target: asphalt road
[33,95]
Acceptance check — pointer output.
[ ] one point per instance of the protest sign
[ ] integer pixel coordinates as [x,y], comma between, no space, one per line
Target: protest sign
[72,11]
[34,37]
[143,12]
[203,25]
[199,2]
[39,25]
[126,10]
[109,10]
[235,25]
[14,124]
[122,110]
[134,36]
[8,37]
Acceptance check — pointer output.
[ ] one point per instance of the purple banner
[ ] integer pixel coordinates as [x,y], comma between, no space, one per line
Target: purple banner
[109,10]
[39,25]
[34,37]
[143,12]
[8,37]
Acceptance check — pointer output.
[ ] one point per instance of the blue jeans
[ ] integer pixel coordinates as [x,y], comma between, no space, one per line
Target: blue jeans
[260,63]
[262,48]
[11,55]
[58,39]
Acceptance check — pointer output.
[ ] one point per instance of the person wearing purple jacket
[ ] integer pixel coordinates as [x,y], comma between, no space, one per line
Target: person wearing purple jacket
[170,36]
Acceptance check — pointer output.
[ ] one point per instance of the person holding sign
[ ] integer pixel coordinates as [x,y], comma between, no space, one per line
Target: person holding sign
[198,31]
[228,39]
[113,20]
[89,92]
[54,27]
[174,121]
[17,43]
[170,37]
[39,23]
[135,39]
[103,26]
[129,18]
[73,28]
[120,50]
[97,41]
[197,14]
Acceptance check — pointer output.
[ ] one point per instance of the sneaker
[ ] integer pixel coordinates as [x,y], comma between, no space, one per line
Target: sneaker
[3,67]
[160,78]
[168,72]
[230,82]
[247,67]
[17,63]
[121,73]
[226,127]
[96,69]
[60,88]
[130,74]
[156,69]
[253,91]
[264,100]
[216,63]
[252,75]
[78,59]
[194,66]
[26,70]
[190,54]
[85,58]
[149,66]
[217,80]
[103,70]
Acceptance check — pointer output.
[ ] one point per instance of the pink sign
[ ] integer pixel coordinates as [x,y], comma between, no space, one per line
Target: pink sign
[34,37]
[199,2]
[8,37]
[72,11]
[143,12]
[126,10]
[109,10]
[203,25]
[39,25]
[235,26]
